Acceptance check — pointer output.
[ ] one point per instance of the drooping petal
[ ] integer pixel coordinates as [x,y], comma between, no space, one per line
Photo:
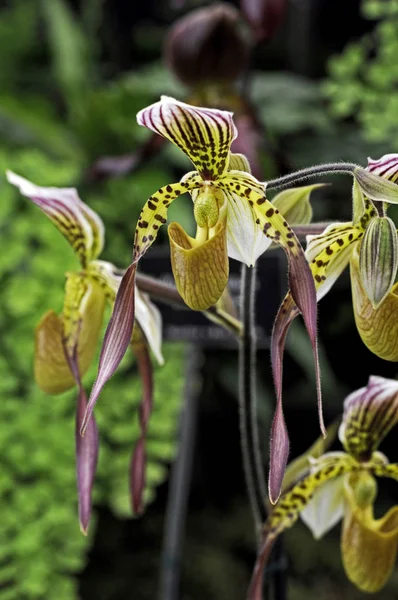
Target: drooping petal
[87,447]
[378,327]
[368,545]
[301,281]
[369,414]
[205,135]
[120,327]
[294,203]
[287,510]
[255,591]
[149,319]
[200,269]
[154,213]
[376,187]
[138,461]
[52,372]
[378,259]
[148,316]
[279,452]
[80,225]
[116,340]
[326,508]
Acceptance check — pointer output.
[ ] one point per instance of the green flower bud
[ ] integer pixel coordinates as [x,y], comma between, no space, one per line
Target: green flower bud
[378,259]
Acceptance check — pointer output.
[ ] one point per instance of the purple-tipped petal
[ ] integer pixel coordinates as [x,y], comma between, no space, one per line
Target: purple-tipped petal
[137,477]
[86,448]
[279,451]
[86,461]
[255,591]
[304,295]
[117,339]
[138,462]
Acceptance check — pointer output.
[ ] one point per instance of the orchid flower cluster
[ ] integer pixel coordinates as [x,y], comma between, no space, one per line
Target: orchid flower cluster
[235,219]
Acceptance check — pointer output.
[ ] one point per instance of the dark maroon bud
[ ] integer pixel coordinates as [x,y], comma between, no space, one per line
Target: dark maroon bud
[264,16]
[208,45]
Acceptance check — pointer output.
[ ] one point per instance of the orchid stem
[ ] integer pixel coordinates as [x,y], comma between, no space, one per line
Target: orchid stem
[179,486]
[252,463]
[318,170]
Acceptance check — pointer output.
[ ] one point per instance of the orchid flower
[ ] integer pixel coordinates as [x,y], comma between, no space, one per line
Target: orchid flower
[369,243]
[66,343]
[233,218]
[342,485]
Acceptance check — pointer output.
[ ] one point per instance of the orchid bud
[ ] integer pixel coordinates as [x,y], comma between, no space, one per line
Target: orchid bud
[264,16]
[207,45]
[378,259]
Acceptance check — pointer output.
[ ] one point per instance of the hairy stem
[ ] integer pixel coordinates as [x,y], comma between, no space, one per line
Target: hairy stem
[252,463]
[309,172]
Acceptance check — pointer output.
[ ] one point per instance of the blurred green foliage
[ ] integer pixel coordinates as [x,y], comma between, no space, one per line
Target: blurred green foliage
[363,80]
[53,122]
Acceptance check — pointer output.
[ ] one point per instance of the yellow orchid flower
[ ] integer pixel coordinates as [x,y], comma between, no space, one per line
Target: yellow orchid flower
[342,485]
[66,344]
[233,218]
[369,244]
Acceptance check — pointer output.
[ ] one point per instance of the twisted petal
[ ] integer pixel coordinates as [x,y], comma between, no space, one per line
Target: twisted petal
[120,327]
[80,225]
[369,414]
[303,295]
[84,306]
[138,461]
[148,316]
[205,135]
[378,327]
[368,545]
[200,269]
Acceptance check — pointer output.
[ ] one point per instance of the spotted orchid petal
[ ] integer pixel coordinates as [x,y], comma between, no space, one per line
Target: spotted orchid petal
[80,225]
[369,414]
[200,268]
[286,512]
[205,135]
[378,327]
[329,254]
[326,507]
[303,295]
[246,240]
[84,304]
[120,327]
[368,545]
